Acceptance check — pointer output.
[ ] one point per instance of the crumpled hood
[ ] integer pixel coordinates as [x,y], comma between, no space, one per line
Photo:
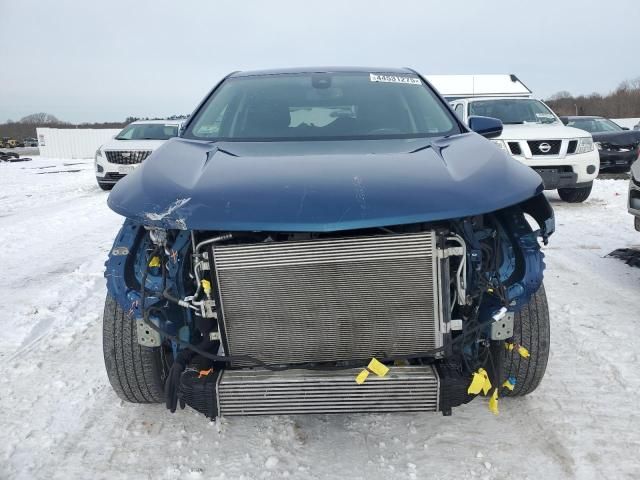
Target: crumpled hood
[320,186]
[619,139]
[540,131]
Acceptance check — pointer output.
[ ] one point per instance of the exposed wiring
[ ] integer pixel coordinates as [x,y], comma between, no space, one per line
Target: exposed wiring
[197,264]
[255,362]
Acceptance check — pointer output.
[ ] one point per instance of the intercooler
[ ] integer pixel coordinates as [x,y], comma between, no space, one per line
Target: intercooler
[260,392]
[290,392]
[332,299]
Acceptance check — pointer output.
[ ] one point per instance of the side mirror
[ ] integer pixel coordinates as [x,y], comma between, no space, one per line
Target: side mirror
[488,127]
[625,128]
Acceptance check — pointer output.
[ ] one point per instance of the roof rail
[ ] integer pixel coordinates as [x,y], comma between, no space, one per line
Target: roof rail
[464,86]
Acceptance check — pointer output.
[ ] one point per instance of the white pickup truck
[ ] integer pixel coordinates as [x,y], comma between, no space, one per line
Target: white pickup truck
[564,157]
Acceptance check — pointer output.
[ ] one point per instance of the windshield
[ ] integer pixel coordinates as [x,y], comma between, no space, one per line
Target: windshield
[148,131]
[595,125]
[322,106]
[513,110]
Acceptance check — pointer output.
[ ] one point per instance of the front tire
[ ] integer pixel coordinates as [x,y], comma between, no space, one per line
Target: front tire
[575,195]
[136,373]
[531,330]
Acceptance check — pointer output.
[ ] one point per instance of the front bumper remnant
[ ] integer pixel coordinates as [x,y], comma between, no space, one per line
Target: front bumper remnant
[555,178]
[290,392]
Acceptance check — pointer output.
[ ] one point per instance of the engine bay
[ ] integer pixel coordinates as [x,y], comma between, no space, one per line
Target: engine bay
[437,297]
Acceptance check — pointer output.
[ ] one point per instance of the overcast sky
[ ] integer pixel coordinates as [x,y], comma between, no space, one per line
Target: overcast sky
[105,60]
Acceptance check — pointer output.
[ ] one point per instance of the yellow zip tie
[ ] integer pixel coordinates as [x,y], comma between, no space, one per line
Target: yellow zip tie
[522,351]
[376,367]
[154,262]
[206,286]
[493,402]
[509,383]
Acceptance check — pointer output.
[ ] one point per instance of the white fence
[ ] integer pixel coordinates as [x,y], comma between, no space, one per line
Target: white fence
[72,142]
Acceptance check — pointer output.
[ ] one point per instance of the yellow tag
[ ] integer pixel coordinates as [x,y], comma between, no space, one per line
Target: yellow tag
[476,383]
[524,353]
[508,385]
[378,368]
[362,376]
[509,346]
[493,402]
[206,286]
[479,382]
[487,383]
[154,262]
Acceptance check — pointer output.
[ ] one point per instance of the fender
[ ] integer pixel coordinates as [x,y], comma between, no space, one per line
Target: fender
[128,259]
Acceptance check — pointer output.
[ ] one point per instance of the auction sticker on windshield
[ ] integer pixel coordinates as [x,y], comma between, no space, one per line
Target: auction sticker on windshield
[394,79]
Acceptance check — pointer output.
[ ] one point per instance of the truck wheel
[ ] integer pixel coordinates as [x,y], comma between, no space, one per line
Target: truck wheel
[136,373]
[105,186]
[575,195]
[531,330]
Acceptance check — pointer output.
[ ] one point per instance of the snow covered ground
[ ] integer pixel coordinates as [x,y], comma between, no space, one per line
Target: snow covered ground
[59,417]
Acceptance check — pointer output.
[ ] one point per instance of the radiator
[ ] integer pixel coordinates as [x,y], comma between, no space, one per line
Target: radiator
[330,300]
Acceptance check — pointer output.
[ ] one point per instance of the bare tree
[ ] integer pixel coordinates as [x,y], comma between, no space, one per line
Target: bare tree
[623,102]
[560,95]
[40,118]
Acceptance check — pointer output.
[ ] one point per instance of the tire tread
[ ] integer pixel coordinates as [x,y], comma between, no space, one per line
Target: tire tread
[531,329]
[575,195]
[134,371]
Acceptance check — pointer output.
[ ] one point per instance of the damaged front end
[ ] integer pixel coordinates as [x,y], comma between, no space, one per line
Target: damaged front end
[277,322]
[325,241]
